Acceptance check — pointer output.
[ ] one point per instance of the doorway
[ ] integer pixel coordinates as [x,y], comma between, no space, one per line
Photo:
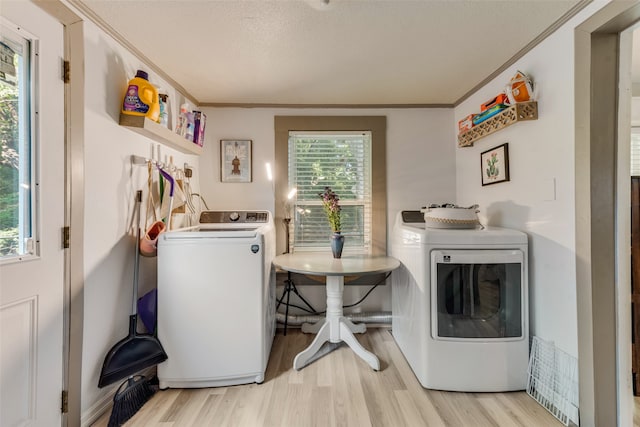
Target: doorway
[635,284]
[603,46]
[635,210]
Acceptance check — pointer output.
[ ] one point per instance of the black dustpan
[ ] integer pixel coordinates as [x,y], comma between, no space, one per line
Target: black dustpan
[136,351]
[130,355]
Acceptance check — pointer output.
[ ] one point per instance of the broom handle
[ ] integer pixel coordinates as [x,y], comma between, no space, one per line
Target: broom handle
[136,259]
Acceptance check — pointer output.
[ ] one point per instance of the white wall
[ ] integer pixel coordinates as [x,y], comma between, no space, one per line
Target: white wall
[539,199]
[420,155]
[111,182]
[420,167]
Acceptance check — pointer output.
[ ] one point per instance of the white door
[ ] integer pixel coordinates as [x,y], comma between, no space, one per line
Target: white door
[31,288]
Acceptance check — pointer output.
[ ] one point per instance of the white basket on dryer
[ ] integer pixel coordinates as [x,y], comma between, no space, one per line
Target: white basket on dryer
[451,216]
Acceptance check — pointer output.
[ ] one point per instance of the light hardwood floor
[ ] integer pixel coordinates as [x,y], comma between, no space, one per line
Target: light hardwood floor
[339,389]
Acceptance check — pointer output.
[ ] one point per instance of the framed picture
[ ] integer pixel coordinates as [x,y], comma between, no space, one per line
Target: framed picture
[235,160]
[494,165]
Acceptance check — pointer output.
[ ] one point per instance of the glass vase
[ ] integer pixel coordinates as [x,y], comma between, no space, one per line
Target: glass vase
[337,242]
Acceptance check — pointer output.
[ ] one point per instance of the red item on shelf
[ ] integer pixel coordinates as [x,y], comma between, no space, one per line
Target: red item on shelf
[466,123]
[500,99]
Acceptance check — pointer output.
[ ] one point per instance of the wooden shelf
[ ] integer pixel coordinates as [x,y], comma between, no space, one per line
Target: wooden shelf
[519,112]
[159,133]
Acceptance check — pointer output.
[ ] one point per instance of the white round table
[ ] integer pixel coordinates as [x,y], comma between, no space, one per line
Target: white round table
[335,327]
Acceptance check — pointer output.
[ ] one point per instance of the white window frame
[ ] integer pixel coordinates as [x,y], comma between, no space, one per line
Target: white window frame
[367,204]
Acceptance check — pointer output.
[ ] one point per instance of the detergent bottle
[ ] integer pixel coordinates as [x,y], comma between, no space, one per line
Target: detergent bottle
[141,98]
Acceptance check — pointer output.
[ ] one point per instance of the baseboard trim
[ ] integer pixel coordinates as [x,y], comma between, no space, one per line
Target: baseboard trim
[98,409]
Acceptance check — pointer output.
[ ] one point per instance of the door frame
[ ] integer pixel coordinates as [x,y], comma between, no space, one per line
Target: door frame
[74,218]
[602,216]
[73,310]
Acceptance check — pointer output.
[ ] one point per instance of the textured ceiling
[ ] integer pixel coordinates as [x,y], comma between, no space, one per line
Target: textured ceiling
[306,52]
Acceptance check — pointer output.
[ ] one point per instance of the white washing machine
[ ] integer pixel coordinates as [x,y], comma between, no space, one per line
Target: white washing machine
[216,300]
[460,305]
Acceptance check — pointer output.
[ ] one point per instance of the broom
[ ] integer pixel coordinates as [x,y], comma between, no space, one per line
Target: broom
[136,390]
[132,394]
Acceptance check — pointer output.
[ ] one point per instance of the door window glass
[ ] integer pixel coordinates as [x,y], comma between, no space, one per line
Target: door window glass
[16,138]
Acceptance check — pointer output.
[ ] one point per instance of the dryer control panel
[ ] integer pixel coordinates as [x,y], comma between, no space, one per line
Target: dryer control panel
[412,217]
[234,217]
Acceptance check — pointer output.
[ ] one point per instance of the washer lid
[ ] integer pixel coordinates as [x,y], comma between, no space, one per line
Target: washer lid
[208,232]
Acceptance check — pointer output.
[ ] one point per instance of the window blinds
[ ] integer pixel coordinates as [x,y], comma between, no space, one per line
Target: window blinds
[342,161]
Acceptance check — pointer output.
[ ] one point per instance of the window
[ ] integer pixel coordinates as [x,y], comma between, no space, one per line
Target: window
[342,161]
[346,153]
[16,138]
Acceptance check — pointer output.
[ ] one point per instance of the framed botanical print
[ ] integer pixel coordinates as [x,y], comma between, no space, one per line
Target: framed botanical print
[494,165]
[235,160]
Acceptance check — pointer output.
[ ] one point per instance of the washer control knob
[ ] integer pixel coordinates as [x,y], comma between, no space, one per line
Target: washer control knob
[234,216]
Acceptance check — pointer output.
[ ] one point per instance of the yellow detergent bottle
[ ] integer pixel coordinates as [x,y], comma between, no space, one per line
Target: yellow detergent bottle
[141,98]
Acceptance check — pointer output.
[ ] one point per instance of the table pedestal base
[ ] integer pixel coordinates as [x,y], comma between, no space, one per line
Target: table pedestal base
[334,329]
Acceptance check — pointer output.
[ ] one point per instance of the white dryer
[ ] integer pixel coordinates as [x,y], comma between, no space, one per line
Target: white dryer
[460,305]
[216,300]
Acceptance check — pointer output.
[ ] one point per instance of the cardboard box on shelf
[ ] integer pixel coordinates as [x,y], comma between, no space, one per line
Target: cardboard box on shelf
[199,119]
[466,123]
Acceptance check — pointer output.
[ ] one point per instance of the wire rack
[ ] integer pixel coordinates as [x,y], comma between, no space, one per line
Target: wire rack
[553,380]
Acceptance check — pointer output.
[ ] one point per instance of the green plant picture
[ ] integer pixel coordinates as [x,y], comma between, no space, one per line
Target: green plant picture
[494,165]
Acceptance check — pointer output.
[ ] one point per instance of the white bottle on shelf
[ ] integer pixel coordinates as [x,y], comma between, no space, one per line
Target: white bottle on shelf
[182,122]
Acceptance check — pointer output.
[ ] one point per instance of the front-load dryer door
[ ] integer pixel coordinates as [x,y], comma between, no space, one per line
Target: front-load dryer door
[478,295]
